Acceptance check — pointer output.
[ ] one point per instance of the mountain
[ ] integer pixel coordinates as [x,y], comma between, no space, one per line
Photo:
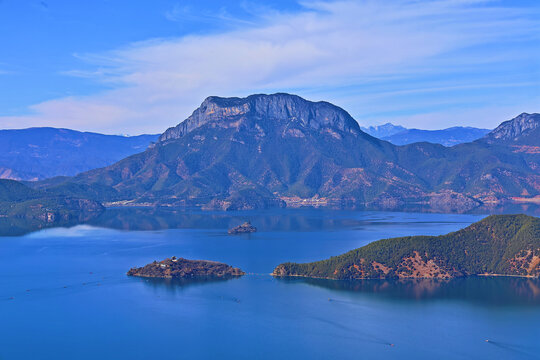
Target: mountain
[14,191]
[39,153]
[398,135]
[20,202]
[288,114]
[385,130]
[447,137]
[277,150]
[523,130]
[256,152]
[23,209]
[497,245]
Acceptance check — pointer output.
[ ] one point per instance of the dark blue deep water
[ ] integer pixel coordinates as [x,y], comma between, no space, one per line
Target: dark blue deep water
[64,293]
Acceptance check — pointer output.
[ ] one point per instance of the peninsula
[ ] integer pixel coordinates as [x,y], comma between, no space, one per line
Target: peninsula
[507,245]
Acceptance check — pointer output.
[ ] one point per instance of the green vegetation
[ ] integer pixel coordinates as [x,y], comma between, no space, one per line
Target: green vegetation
[11,190]
[265,149]
[174,267]
[19,201]
[499,244]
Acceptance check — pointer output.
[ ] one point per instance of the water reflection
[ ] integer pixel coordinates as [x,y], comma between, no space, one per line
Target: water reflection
[173,286]
[265,220]
[511,208]
[307,219]
[145,219]
[500,291]
[488,209]
[14,226]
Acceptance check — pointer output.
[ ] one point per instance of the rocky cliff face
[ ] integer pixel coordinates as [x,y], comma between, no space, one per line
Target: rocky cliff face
[516,130]
[273,110]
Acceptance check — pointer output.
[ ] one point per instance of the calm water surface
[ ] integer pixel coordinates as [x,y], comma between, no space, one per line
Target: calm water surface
[64,293]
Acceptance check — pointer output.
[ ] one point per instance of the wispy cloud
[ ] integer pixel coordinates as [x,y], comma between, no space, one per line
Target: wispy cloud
[337,51]
[188,13]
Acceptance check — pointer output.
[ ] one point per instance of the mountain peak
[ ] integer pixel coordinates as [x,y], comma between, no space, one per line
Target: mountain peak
[384,130]
[520,129]
[274,109]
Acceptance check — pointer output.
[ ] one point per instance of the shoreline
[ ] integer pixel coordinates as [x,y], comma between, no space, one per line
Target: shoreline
[407,278]
[419,207]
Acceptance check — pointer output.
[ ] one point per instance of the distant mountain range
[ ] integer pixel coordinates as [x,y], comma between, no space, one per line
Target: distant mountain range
[398,135]
[39,153]
[447,137]
[385,130]
[277,150]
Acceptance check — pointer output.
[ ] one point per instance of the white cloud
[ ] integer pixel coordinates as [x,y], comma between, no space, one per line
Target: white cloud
[317,52]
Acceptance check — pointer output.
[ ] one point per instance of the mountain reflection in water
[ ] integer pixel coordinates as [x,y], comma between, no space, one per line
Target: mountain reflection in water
[304,219]
[173,285]
[487,291]
[266,220]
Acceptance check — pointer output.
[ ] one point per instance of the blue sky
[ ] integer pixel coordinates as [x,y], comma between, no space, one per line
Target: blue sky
[128,67]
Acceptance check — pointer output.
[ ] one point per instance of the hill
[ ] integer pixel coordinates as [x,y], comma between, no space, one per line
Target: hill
[447,137]
[496,245]
[39,153]
[521,131]
[18,201]
[271,150]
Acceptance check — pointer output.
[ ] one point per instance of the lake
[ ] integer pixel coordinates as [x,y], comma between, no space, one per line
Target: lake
[64,293]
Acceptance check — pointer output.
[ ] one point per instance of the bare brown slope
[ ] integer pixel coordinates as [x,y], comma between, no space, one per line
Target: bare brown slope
[268,150]
[498,245]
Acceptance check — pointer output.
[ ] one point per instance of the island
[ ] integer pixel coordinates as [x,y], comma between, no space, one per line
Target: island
[183,268]
[499,245]
[245,228]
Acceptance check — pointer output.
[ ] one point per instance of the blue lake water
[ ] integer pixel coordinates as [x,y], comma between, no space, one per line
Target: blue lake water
[64,293]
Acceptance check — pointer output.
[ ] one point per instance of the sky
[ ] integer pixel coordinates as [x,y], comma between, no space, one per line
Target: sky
[137,66]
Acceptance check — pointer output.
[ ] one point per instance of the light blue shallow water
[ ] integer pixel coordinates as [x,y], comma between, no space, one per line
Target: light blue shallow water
[64,294]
